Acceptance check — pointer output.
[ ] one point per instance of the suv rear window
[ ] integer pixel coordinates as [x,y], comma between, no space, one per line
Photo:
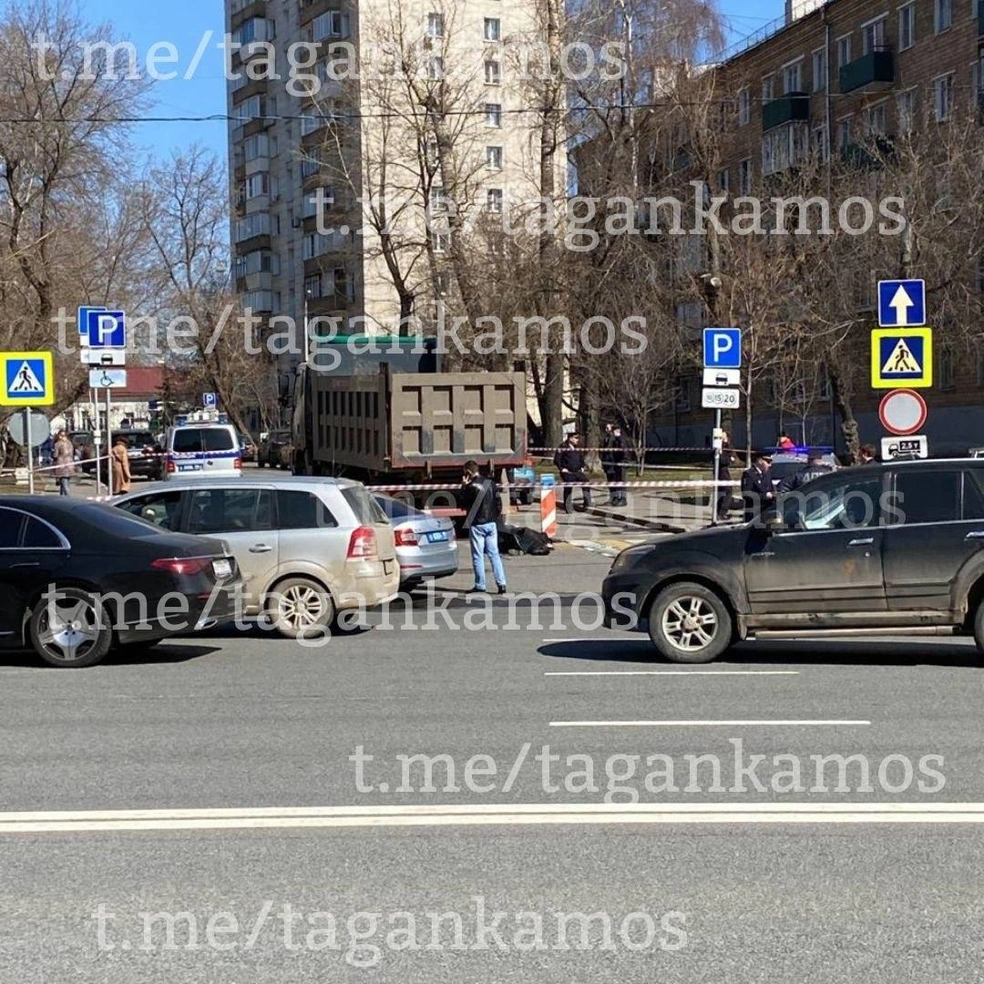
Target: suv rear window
[367,512]
[302,511]
[192,439]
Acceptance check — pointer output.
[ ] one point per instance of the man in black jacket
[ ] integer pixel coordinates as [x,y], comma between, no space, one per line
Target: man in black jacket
[569,461]
[813,468]
[756,486]
[480,500]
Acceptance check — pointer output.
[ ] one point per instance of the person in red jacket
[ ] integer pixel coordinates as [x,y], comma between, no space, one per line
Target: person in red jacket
[785,442]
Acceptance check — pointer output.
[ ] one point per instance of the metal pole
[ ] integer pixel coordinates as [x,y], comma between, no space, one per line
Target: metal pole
[30,450]
[307,339]
[109,443]
[716,440]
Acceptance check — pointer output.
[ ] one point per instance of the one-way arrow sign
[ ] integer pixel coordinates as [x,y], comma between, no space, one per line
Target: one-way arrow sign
[901,303]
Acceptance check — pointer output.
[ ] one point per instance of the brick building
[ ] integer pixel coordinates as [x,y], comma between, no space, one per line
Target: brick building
[824,81]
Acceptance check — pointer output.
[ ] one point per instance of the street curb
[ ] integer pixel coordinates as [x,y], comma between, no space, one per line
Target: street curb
[646,524]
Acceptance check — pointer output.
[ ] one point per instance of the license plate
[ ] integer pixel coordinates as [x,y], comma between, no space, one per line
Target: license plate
[189,468]
[221,568]
[441,536]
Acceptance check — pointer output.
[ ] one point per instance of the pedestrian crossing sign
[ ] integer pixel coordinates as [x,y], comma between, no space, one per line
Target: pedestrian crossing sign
[28,379]
[902,357]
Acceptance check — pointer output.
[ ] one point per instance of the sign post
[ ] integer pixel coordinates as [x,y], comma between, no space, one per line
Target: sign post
[28,381]
[722,352]
[102,333]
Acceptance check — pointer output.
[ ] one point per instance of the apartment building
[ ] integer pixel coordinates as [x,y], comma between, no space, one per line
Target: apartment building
[824,81]
[338,185]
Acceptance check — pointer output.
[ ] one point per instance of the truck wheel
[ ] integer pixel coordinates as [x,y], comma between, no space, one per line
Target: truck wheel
[71,629]
[689,623]
[300,608]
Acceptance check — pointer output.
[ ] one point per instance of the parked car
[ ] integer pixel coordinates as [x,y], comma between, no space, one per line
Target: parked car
[142,448]
[786,463]
[82,440]
[247,447]
[268,452]
[896,548]
[111,573]
[426,545]
[308,548]
[202,451]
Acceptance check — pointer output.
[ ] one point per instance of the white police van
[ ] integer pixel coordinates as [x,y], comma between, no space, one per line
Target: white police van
[202,450]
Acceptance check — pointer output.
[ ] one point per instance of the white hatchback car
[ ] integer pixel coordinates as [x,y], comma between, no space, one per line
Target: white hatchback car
[308,548]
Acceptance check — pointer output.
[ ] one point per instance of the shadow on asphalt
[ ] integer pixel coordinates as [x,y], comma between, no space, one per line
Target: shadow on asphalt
[138,655]
[805,652]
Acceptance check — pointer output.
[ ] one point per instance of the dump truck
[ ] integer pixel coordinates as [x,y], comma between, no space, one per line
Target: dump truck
[388,416]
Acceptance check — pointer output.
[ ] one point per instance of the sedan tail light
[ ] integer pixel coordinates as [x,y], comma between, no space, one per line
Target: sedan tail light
[406,538]
[238,461]
[362,544]
[171,467]
[181,565]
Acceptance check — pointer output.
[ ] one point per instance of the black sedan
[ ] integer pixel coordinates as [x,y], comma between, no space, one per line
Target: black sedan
[77,578]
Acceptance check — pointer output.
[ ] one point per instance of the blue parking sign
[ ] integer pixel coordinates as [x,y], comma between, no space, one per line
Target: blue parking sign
[722,348]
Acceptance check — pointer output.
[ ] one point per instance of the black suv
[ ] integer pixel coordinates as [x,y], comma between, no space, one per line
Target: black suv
[879,549]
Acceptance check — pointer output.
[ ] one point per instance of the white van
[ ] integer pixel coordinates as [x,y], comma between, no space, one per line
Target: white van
[202,451]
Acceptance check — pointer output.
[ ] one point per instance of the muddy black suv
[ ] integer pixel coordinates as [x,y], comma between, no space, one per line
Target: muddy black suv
[879,549]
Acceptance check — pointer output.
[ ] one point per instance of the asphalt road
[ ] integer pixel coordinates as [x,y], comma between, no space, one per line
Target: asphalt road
[650,815]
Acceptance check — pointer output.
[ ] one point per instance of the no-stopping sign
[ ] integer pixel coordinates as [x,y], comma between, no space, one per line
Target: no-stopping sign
[902,412]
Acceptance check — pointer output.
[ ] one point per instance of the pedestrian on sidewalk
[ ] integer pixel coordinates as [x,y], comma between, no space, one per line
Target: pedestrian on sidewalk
[570,462]
[63,453]
[867,454]
[619,466]
[724,495]
[756,486]
[481,502]
[121,466]
[608,462]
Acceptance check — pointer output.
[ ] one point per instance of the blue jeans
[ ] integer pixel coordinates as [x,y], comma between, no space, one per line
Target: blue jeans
[63,486]
[484,539]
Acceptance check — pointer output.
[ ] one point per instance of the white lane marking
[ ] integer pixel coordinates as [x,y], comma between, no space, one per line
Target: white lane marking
[489,814]
[609,638]
[671,673]
[699,724]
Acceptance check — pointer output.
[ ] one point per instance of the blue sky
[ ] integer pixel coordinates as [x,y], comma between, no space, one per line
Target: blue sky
[184,23]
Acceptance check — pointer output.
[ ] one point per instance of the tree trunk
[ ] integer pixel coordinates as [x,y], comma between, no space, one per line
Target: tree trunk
[845,410]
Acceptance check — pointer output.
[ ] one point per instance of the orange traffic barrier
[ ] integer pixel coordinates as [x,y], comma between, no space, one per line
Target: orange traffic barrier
[548,510]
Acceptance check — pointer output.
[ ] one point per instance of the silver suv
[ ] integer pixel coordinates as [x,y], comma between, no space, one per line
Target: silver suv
[308,548]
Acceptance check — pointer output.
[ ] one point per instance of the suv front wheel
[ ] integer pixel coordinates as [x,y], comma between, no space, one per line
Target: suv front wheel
[689,623]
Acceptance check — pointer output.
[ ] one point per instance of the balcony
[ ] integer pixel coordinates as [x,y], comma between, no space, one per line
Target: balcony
[870,155]
[794,107]
[877,66]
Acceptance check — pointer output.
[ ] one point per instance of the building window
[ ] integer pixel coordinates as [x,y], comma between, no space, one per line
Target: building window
[745,176]
[844,51]
[821,143]
[438,199]
[493,72]
[819,69]
[682,402]
[944,15]
[943,97]
[493,158]
[873,36]
[493,115]
[947,374]
[435,25]
[312,285]
[844,132]
[906,107]
[442,283]
[876,120]
[493,201]
[907,26]
[441,241]
[435,68]
[792,78]
[744,107]
[330,24]
[724,181]
[258,184]
[493,29]
[768,88]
